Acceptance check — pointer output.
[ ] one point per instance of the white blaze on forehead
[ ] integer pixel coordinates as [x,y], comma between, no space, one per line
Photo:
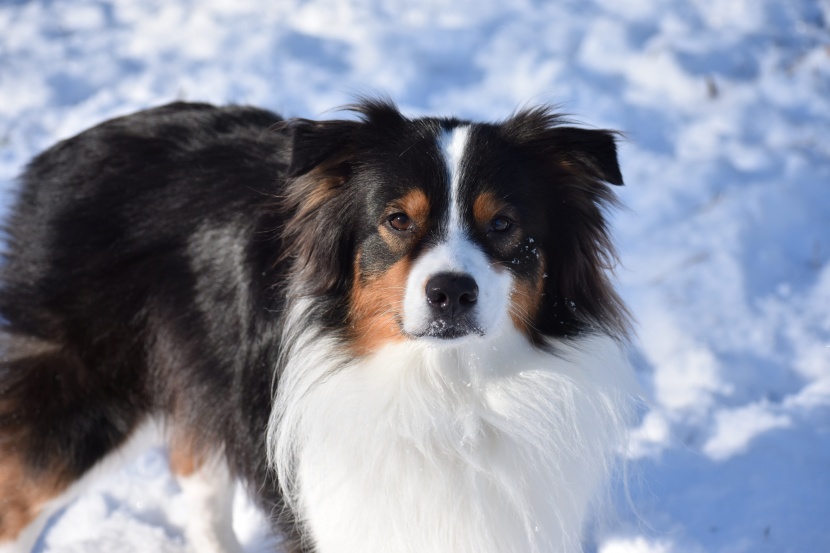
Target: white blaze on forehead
[453,143]
[456,253]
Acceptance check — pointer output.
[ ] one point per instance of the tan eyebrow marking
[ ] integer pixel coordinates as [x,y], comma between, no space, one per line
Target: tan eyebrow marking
[416,204]
[485,207]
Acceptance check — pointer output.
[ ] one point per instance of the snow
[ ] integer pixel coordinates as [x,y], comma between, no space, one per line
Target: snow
[725,243]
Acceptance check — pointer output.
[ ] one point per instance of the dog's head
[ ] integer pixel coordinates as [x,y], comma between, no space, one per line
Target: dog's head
[446,231]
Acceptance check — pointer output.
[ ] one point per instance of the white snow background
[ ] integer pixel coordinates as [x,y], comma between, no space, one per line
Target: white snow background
[725,244]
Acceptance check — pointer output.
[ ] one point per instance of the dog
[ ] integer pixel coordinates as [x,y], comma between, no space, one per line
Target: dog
[399,333]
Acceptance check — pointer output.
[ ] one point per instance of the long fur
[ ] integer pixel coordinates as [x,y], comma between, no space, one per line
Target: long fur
[448,450]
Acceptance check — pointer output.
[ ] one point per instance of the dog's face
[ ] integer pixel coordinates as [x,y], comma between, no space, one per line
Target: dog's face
[445,231]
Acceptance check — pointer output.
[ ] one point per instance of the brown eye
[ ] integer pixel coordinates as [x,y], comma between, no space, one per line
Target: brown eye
[400,222]
[500,224]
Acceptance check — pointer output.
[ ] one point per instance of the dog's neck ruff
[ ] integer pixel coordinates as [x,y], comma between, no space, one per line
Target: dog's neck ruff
[491,446]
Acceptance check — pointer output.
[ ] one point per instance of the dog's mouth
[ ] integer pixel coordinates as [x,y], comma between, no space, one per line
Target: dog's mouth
[450,329]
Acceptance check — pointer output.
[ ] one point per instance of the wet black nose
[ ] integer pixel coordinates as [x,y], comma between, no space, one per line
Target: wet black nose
[451,294]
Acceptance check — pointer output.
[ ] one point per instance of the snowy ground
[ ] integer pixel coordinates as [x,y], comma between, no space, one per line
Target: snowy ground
[725,245]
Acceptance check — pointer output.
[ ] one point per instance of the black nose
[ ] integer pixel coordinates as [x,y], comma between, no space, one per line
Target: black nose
[451,294]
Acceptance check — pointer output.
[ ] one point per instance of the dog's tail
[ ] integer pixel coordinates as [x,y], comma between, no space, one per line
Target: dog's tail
[49,437]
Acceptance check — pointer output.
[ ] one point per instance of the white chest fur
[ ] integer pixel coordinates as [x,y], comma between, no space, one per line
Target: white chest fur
[493,446]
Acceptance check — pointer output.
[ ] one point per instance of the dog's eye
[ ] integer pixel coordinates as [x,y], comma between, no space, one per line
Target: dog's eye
[500,224]
[400,222]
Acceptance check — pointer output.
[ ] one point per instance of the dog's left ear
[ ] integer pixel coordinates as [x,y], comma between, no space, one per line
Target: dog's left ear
[588,152]
[594,151]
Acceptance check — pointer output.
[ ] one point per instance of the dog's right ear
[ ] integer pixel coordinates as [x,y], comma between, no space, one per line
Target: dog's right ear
[318,156]
[316,143]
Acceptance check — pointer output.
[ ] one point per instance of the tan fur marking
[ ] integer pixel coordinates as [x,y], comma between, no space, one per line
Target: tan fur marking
[525,300]
[485,207]
[185,459]
[374,306]
[22,496]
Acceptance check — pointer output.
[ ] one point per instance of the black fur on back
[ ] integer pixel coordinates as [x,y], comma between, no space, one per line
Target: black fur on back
[140,277]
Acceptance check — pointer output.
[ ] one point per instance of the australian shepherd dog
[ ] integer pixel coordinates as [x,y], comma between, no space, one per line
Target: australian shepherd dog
[399,333]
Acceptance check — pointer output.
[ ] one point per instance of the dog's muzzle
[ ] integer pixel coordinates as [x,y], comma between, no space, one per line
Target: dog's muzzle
[451,298]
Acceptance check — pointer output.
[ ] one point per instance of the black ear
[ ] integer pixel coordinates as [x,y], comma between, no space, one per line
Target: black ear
[595,151]
[315,143]
[587,151]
